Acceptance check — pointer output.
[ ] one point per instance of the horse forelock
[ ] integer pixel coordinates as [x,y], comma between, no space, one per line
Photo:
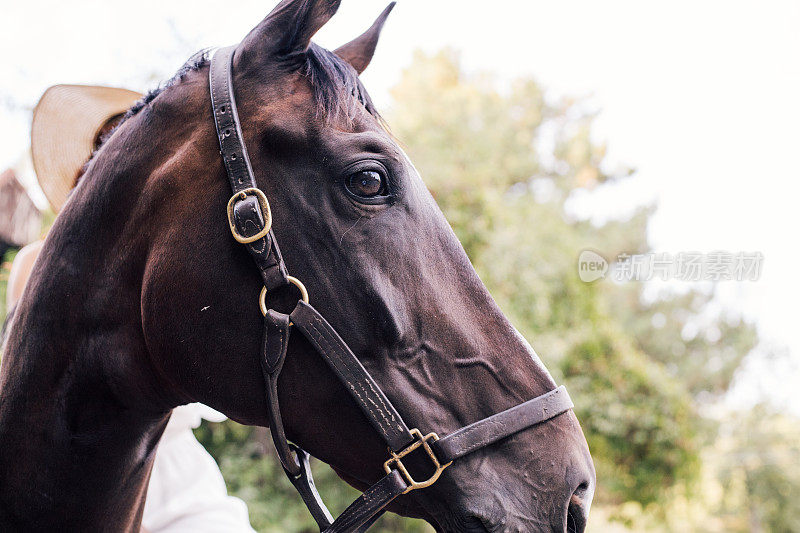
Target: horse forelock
[335,84]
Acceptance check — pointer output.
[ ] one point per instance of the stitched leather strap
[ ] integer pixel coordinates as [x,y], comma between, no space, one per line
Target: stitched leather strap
[368,506]
[247,213]
[368,395]
[273,354]
[510,422]
[389,424]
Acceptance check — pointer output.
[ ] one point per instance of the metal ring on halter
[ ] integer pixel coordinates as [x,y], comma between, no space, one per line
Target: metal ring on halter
[266,212]
[262,298]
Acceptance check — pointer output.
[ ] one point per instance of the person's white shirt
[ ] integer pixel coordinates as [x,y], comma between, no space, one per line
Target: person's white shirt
[187,492]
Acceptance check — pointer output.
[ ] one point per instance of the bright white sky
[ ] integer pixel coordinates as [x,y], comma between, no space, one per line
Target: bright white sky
[702,98]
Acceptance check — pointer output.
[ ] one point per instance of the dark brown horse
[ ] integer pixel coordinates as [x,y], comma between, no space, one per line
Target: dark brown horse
[142,301]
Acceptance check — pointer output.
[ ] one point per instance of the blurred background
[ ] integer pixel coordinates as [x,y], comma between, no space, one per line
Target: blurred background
[545,129]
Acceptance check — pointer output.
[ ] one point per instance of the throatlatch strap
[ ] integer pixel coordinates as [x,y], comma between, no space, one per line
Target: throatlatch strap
[367,394]
[273,355]
[304,483]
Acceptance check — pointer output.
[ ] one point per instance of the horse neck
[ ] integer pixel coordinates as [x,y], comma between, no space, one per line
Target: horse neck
[71,453]
[81,406]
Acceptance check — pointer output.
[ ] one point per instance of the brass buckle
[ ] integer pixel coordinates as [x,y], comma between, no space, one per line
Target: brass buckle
[265,211]
[396,459]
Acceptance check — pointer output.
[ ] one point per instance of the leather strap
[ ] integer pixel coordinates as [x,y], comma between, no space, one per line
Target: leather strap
[274,345]
[368,395]
[363,511]
[247,213]
[294,460]
[304,483]
[510,422]
[226,117]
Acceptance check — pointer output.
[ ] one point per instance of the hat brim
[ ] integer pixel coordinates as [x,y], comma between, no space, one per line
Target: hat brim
[66,122]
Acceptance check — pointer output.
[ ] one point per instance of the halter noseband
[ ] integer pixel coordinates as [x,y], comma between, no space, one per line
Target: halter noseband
[250,222]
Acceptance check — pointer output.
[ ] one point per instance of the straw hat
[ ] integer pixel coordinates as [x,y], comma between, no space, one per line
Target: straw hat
[66,122]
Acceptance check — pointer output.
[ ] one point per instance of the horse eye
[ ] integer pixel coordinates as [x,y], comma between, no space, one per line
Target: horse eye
[366,184]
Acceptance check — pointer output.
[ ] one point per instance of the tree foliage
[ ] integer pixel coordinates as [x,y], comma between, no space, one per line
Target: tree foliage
[759,468]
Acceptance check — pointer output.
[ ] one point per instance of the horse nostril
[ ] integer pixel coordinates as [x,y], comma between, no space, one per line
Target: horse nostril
[577,510]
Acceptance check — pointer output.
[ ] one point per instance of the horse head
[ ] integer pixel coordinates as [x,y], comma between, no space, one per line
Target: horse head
[357,225]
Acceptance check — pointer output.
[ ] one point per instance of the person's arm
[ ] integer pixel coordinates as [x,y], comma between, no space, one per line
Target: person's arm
[20,272]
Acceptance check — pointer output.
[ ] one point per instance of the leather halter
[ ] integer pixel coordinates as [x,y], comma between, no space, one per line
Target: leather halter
[250,221]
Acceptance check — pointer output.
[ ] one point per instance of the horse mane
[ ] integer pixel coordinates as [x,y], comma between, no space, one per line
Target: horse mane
[335,84]
[334,81]
[196,62]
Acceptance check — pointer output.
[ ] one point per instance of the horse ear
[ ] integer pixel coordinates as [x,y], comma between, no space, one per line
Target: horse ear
[288,29]
[359,51]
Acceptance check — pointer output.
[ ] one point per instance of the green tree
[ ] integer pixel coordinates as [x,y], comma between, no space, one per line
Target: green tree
[759,468]
[703,352]
[5,262]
